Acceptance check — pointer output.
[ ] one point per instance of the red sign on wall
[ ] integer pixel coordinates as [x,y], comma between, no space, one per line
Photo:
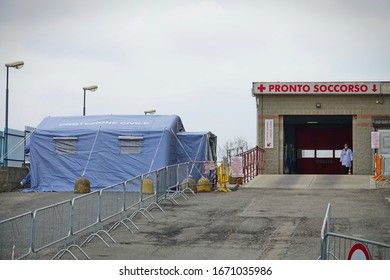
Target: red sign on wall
[317,88]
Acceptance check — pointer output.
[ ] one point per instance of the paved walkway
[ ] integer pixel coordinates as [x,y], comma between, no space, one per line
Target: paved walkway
[272,217]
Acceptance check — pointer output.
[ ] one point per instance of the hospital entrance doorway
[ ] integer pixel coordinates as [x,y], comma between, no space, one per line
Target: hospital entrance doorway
[312,144]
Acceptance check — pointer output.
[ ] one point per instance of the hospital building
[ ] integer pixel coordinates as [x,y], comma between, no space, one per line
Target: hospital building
[303,126]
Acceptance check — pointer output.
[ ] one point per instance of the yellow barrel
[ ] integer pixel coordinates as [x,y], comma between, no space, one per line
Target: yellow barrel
[147,186]
[82,185]
[204,185]
[190,183]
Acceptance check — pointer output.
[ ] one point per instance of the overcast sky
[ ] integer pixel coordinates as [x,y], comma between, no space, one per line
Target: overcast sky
[196,59]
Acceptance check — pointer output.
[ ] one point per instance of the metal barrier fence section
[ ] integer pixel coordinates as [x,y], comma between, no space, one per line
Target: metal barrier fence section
[167,183]
[336,246]
[89,214]
[85,212]
[132,193]
[51,224]
[15,233]
[182,173]
[182,180]
[111,202]
[148,193]
[342,247]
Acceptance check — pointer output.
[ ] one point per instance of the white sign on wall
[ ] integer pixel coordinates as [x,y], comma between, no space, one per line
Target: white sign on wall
[269,134]
[375,140]
[237,167]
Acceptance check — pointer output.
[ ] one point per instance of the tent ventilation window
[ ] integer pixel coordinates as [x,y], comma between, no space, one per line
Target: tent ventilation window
[130,144]
[65,145]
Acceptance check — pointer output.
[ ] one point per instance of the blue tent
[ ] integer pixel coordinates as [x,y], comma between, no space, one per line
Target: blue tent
[196,146]
[106,149]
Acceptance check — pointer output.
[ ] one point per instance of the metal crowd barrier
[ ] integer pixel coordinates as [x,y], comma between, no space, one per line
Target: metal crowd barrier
[340,247]
[87,215]
[15,237]
[51,224]
[85,212]
[168,185]
[182,181]
[132,198]
[336,246]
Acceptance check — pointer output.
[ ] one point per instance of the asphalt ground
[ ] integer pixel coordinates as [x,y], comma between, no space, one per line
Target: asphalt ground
[274,217]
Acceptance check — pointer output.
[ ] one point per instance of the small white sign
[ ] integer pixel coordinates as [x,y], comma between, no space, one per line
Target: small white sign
[269,134]
[237,167]
[375,140]
[207,168]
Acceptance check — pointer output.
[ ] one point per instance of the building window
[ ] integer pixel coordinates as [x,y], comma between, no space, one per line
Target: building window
[65,145]
[130,144]
[307,154]
[324,153]
[386,142]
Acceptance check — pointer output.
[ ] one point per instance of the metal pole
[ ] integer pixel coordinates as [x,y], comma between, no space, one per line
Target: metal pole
[84,104]
[6,122]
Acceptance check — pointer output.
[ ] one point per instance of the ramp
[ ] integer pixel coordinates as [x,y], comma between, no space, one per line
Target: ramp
[276,181]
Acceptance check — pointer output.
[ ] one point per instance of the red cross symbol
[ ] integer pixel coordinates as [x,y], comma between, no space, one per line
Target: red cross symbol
[261,87]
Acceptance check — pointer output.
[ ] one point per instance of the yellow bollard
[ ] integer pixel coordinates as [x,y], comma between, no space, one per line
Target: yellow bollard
[147,186]
[82,185]
[204,185]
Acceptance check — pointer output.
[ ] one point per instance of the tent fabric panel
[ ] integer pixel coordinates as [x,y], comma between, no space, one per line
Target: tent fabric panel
[103,166]
[191,147]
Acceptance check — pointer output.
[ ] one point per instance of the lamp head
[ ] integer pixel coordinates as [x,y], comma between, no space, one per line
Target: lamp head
[150,112]
[15,64]
[91,88]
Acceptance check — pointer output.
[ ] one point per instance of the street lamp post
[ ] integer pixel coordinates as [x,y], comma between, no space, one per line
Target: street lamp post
[90,88]
[17,65]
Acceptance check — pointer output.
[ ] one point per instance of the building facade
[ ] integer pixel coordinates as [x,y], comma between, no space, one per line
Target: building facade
[303,126]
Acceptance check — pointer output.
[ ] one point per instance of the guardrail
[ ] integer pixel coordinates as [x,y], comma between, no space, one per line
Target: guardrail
[253,163]
[336,246]
[89,214]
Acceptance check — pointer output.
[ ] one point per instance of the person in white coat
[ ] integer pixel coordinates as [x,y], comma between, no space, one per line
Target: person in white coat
[346,159]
